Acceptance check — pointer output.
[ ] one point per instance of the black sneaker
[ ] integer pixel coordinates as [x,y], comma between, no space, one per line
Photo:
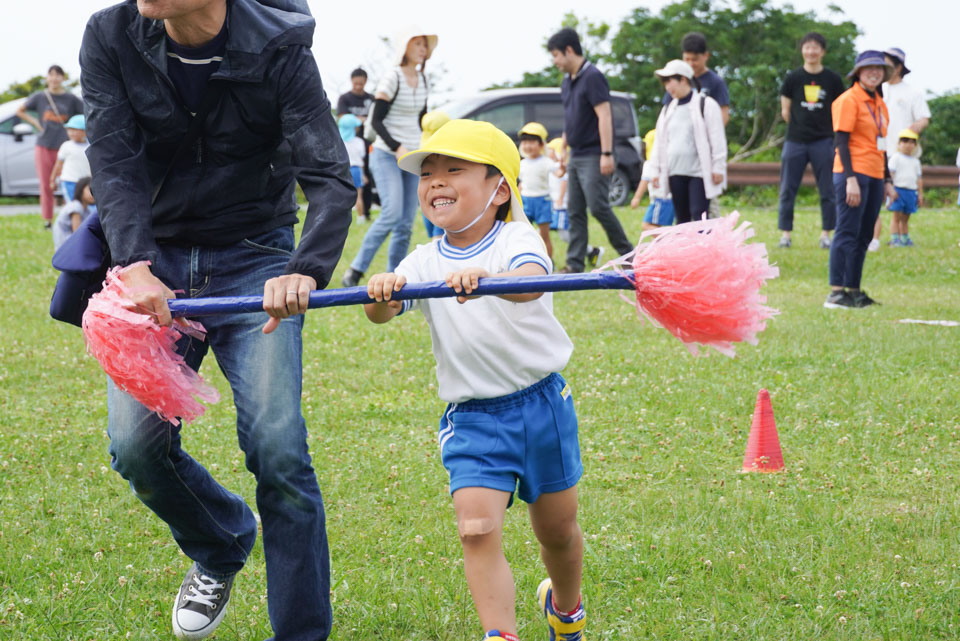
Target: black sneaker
[201,604]
[351,278]
[839,300]
[860,299]
[594,254]
[567,270]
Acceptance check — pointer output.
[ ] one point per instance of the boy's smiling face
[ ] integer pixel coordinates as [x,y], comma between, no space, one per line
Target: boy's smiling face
[453,192]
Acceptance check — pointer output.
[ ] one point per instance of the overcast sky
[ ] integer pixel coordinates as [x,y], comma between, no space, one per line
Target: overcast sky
[493,44]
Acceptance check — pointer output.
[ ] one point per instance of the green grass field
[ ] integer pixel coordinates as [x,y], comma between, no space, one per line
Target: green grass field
[859,538]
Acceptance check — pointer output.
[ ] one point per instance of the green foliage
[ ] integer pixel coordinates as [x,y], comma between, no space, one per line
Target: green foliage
[941,139]
[752,46]
[31,86]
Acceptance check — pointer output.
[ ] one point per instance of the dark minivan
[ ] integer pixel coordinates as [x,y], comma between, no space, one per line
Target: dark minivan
[510,109]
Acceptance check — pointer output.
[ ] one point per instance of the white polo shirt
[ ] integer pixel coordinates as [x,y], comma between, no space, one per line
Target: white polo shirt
[488,346]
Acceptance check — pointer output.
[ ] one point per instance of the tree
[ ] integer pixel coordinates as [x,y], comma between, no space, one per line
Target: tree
[753,45]
[941,139]
[30,87]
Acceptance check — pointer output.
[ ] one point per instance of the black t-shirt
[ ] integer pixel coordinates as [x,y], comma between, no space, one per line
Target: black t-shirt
[189,68]
[580,95]
[351,103]
[811,97]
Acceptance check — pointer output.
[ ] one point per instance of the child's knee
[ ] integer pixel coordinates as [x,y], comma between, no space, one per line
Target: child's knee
[475,530]
[560,535]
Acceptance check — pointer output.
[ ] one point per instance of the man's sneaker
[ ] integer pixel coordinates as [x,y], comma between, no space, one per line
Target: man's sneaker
[860,299]
[567,627]
[594,254]
[824,242]
[567,270]
[874,245]
[839,300]
[784,242]
[351,278]
[201,604]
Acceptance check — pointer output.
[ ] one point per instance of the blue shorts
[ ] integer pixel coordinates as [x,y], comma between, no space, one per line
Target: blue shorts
[524,442]
[906,202]
[357,174]
[559,219]
[537,209]
[660,212]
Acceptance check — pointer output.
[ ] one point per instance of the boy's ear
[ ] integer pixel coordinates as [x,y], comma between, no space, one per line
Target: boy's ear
[503,194]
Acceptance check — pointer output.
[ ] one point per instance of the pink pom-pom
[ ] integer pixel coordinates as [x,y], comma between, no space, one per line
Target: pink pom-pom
[140,357]
[701,282]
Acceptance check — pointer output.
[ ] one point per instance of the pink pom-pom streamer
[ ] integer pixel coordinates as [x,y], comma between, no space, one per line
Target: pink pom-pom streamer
[140,357]
[701,282]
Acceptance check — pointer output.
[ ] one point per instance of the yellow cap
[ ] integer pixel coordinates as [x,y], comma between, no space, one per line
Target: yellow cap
[908,133]
[534,129]
[556,144]
[478,142]
[648,142]
[431,121]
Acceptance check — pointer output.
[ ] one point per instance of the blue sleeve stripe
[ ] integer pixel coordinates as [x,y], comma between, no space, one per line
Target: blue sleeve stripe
[523,259]
[407,304]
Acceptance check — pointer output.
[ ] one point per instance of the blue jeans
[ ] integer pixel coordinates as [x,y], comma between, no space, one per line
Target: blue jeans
[793,161]
[213,526]
[854,231]
[398,201]
[587,186]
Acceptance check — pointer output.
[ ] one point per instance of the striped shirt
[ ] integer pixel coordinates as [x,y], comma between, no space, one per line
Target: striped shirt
[403,119]
[189,68]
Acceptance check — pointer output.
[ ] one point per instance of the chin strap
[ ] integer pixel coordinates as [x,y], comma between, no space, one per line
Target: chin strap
[482,211]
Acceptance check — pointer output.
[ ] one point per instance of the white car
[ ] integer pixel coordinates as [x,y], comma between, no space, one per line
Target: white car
[18,174]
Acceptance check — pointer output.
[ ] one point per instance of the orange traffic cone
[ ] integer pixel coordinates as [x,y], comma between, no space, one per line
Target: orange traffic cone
[763,447]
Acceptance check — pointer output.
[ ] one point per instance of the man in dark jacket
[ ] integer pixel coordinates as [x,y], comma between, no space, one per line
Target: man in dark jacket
[216,219]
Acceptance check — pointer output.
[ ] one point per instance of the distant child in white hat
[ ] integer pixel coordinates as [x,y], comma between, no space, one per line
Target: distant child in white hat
[510,426]
[906,172]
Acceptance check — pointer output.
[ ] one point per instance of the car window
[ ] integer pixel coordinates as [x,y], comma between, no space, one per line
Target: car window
[6,126]
[550,115]
[624,122]
[506,118]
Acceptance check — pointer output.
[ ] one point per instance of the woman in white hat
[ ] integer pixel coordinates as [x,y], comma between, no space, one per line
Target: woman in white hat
[401,102]
[689,156]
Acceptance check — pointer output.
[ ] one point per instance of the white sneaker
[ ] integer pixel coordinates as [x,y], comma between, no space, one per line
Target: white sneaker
[874,245]
[200,605]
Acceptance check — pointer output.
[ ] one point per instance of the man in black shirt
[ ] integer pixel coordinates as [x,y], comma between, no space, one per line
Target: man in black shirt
[805,101]
[356,101]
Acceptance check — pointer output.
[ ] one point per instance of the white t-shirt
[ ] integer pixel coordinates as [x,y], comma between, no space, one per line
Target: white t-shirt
[556,182]
[682,158]
[905,170]
[906,106]
[403,119]
[535,176]
[75,163]
[355,148]
[488,347]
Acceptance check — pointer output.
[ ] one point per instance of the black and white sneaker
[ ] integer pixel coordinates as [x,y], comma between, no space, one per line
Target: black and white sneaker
[860,299]
[351,278]
[201,604]
[839,300]
[594,254]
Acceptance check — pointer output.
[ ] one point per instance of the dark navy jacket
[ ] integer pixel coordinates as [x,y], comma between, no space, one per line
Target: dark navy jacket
[272,126]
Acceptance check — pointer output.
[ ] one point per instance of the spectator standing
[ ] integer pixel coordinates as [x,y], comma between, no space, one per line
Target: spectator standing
[588,133]
[908,110]
[72,163]
[54,106]
[860,176]
[689,157]
[907,175]
[401,103]
[221,224]
[356,150]
[356,101]
[660,211]
[694,52]
[806,97]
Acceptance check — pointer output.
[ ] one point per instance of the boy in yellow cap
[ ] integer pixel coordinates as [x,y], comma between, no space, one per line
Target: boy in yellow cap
[429,124]
[535,168]
[906,172]
[510,424]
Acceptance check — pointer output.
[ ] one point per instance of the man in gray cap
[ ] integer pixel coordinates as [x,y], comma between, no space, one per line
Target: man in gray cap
[908,110]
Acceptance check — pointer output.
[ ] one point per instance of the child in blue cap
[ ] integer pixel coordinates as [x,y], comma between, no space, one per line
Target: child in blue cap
[72,164]
[356,147]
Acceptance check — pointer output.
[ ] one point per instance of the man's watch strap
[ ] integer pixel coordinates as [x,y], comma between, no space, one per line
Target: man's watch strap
[606,153]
